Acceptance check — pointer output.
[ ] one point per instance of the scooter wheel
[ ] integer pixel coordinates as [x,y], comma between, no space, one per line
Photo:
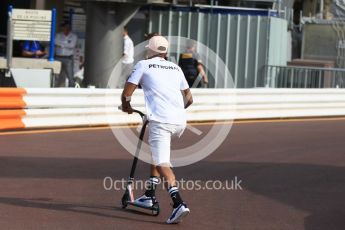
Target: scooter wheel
[155,209]
[124,200]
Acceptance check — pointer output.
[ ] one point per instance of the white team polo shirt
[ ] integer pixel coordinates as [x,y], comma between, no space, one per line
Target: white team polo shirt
[67,44]
[162,82]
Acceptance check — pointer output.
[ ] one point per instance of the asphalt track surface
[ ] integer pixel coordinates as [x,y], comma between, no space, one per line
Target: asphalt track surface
[293,177]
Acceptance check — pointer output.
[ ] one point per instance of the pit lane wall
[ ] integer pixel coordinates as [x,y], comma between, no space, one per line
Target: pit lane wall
[22,108]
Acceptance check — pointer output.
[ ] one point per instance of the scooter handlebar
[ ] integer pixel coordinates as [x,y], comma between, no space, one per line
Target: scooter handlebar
[135,111]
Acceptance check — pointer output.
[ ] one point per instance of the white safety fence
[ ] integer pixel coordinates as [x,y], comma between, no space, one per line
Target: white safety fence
[92,107]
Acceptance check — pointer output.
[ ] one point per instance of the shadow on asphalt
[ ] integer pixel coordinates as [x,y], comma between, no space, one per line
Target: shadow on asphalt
[75,208]
[316,189]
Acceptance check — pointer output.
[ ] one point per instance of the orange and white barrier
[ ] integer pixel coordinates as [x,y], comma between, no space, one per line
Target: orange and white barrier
[12,108]
[67,107]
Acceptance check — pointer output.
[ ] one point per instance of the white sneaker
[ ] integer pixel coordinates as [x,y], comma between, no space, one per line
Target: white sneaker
[145,201]
[178,214]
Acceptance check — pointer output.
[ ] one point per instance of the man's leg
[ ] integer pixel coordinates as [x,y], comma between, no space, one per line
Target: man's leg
[152,182]
[60,81]
[160,141]
[154,171]
[70,71]
[168,177]
[148,199]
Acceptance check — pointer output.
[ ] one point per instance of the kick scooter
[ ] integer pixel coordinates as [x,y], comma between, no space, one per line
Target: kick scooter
[128,197]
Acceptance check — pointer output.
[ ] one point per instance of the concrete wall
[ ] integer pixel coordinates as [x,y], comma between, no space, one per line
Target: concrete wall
[59,5]
[104,40]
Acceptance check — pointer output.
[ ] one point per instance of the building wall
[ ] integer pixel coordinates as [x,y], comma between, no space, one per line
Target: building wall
[59,5]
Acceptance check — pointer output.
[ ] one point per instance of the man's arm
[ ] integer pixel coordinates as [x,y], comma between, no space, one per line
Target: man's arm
[26,53]
[58,42]
[126,97]
[187,97]
[200,68]
[202,73]
[130,86]
[26,50]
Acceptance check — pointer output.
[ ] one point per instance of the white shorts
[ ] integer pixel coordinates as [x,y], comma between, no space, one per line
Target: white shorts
[160,136]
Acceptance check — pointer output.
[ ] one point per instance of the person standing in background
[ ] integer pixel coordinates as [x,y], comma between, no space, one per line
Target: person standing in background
[33,49]
[127,58]
[192,66]
[65,43]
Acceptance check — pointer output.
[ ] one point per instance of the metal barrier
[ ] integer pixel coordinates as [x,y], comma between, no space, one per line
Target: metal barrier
[303,77]
[44,108]
[244,41]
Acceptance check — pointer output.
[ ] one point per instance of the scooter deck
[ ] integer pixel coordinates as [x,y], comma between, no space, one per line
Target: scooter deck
[152,208]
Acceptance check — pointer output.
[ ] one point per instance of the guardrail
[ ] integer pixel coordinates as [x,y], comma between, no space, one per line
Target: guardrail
[304,77]
[44,108]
